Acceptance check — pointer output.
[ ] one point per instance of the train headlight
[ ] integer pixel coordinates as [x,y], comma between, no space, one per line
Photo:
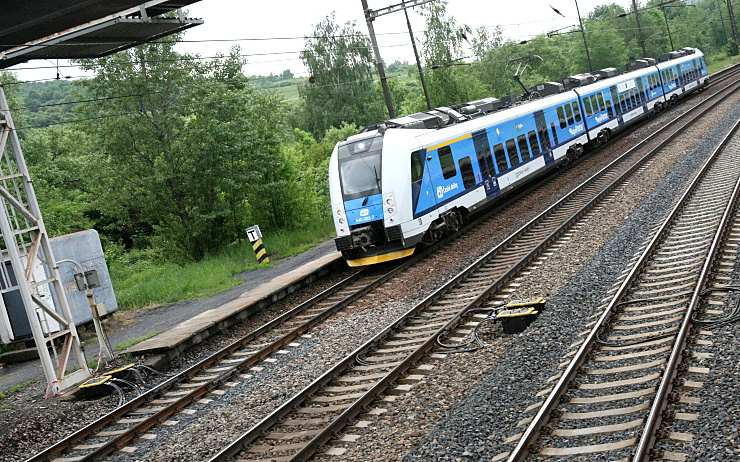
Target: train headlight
[390,204]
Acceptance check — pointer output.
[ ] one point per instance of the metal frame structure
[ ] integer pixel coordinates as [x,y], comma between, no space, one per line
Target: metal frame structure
[25,247]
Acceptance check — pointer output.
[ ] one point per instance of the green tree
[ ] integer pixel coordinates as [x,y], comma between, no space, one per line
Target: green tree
[341,88]
[188,154]
[443,48]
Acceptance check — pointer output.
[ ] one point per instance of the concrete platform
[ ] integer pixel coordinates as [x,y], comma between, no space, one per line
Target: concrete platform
[172,342]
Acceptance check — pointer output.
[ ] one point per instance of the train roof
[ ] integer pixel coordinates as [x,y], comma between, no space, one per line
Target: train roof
[473,125]
[695,53]
[446,123]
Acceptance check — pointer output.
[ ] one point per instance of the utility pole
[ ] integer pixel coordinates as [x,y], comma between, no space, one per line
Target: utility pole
[639,29]
[416,55]
[722,20]
[585,43]
[733,28]
[667,27]
[379,61]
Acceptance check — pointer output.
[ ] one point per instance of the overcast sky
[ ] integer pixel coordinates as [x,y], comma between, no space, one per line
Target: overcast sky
[240,19]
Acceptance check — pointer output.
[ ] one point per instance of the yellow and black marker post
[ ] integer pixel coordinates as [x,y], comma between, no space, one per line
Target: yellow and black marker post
[260,252]
[255,237]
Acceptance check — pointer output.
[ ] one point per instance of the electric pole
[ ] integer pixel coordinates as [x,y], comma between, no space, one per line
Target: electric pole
[583,34]
[668,28]
[379,61]
[733,28]
[418,61]
[722,20]
[639,29]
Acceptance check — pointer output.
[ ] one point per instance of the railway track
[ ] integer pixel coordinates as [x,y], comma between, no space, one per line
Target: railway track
[116,429]
[609,400]
[299,428]
[135,417]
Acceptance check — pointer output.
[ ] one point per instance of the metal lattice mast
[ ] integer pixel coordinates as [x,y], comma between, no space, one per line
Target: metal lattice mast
[28,265]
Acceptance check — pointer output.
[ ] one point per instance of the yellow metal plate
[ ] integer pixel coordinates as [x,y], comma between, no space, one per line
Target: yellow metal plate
[516,313]
[375,259]
[121,369]
[96,381]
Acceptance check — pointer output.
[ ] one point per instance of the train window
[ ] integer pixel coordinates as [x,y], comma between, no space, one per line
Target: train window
[561,117]
[523,148]
[554,134]
[569,114]
[513,156]
[417,166]
[466,170]
[446,162]
[577,111]
[500,156]
[587,106]
[600,98]
[544,139]
[534,144]
[483,151]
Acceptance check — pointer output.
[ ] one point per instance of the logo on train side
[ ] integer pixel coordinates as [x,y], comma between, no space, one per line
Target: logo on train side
[442,190]
[577,129]
[364,212]
[602,117]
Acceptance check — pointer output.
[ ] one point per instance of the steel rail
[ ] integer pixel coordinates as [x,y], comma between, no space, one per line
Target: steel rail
[161,389]
[355,408]
[530,435]
[666,383]
[210,361]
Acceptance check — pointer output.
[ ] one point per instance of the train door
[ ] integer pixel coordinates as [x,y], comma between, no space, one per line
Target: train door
[615,102]
[423,197]
[543,132]
[485,162]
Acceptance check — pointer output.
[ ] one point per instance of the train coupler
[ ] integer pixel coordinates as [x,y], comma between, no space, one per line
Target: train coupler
[517,315]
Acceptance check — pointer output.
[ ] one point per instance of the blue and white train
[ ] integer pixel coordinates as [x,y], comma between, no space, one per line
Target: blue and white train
[411,180]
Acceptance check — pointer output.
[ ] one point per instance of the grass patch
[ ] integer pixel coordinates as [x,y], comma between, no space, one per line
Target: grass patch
[131,342]
[147,283]
[14,389]
[721,61]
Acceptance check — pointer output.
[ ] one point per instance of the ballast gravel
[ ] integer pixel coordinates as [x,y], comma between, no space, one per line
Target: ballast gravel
[24,413]
[471,403]
[29,423]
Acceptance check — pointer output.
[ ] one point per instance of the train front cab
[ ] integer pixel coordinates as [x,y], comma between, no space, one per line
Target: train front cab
[355,184]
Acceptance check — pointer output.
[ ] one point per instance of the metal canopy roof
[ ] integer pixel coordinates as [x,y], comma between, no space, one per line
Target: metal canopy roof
[29,28]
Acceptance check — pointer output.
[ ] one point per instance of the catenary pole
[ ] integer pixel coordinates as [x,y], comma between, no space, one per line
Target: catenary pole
[583,34]
[722,20]
[418,61]
[379,62]
[639,28]
[668,27]
[733,27]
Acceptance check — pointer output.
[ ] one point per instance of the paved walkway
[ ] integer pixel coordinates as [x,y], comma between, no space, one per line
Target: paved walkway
[147,322]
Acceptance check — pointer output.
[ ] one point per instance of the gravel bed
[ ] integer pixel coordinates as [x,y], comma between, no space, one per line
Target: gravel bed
[717,431]
[29,423]
[439,420]
[215,424]
[21,416]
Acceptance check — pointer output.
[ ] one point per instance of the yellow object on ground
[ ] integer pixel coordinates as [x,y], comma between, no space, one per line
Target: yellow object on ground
[375,259]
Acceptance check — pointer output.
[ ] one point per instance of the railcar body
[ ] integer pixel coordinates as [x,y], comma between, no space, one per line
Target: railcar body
[416,178]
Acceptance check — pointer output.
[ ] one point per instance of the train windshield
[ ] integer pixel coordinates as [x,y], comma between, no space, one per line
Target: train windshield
[359,167]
